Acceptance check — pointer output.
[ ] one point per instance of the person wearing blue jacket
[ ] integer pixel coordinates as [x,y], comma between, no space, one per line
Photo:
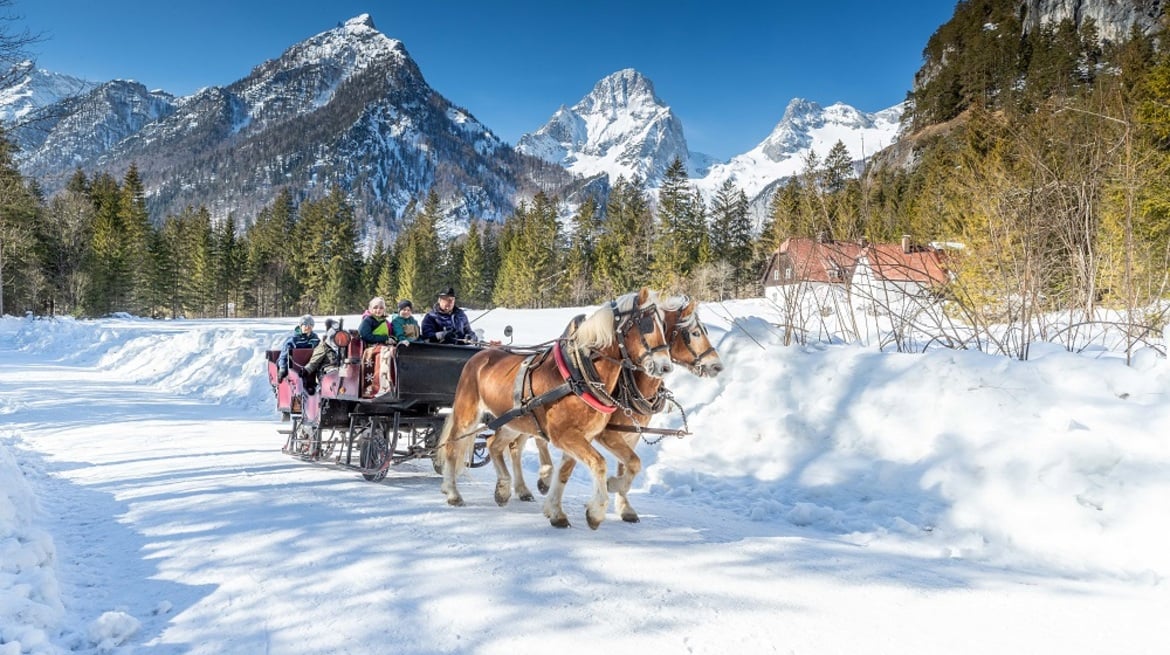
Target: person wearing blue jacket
[446,323]
[302,337]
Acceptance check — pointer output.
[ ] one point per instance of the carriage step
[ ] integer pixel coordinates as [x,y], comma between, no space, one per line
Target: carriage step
[284,431]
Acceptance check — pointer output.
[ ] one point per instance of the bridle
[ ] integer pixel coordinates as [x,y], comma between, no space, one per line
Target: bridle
[683,328]
[647,319]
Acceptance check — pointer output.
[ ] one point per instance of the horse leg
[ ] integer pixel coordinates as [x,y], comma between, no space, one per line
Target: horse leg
[581,450]
[552,502]
[545,472]
[629,465]
[517,452]
[497,443]
[454,445]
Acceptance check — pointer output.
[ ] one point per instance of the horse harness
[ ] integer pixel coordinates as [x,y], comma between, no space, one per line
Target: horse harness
[581,377]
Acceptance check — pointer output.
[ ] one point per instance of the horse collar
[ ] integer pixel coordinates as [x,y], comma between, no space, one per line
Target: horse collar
[578,383]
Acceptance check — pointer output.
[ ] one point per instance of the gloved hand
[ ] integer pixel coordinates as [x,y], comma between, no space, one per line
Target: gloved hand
[441,335]
[404,343]
[281,375]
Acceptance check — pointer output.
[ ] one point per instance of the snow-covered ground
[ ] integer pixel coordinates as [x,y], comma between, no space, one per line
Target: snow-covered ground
[832,499]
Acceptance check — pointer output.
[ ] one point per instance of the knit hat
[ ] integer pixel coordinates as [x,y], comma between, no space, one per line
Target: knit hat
[448,292]
[307,319]
[403,304]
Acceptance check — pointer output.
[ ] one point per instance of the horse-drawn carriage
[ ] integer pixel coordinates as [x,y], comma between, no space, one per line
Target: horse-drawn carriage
[468,405]
[339,417]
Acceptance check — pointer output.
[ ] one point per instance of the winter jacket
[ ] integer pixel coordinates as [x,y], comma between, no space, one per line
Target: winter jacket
[374,330]
[405,329]
[297,340]
[454,326]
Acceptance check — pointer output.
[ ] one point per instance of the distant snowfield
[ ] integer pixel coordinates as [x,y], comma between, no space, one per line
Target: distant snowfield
[830,499]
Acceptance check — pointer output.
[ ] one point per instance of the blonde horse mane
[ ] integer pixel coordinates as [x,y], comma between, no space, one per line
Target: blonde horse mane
[597,331]
[679,304]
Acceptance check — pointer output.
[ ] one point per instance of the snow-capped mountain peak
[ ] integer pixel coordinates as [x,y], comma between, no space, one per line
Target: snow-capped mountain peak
[806,127]
[26,88]
[621,128]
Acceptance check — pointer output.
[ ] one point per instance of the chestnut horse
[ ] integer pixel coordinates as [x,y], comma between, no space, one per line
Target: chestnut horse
[563,394]
[691,347]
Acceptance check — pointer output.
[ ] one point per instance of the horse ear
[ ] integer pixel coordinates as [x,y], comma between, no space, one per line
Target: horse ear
[643,295]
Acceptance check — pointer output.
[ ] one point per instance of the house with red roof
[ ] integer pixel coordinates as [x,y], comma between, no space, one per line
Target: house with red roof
[881,272]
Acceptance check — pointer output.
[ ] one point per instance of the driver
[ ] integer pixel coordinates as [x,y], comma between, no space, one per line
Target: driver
[446,323]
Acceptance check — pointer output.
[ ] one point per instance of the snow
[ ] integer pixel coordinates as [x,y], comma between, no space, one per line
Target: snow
[831,499]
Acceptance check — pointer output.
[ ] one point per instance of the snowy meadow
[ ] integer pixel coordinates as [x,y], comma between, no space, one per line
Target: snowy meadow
[831,498]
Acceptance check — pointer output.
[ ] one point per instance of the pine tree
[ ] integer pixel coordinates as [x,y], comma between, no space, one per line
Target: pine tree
[339,261]
[418,256]
[134,221]
[20,270]
[625,247]
[731,233]
[472,284]
[107,269]
[582,255]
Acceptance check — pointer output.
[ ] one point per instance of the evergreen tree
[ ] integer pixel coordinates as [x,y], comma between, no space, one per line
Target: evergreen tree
[136,236]
[472,284]
[679,240]
[731,233]
[626,243]
[581,260]
[20,273]
[418,256]
[530,261]
[107,269]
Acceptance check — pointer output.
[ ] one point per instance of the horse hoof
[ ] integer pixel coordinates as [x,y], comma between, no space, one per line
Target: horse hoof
[630,518]
[561,522]
[501,500]
[527,497]
[455,502]
[542,485]
[593,523]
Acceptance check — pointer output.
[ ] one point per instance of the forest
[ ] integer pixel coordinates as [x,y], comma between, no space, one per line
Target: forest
[1044,155]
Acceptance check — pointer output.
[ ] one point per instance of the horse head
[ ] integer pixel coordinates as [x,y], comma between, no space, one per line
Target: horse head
[633,327]
[689,342]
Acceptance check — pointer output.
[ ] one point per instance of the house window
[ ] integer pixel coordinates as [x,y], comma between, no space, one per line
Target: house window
[789,274]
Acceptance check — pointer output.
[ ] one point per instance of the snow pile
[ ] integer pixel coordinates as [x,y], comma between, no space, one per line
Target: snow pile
[1053,468]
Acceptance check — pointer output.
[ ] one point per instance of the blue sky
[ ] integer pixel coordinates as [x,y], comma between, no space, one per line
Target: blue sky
[727,69]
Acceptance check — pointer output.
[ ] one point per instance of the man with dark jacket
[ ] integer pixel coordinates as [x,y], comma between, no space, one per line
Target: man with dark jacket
[446,323]
[302,337]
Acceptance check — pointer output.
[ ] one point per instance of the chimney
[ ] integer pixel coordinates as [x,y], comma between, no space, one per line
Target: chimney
[906,243]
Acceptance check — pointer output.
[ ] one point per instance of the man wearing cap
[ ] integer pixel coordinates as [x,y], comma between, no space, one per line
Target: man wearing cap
[446,323]
[302,337]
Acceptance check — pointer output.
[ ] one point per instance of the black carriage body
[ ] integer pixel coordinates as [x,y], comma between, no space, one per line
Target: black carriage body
[337,423]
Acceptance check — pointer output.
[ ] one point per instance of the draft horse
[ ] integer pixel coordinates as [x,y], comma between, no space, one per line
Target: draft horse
[563,393]
[643,395]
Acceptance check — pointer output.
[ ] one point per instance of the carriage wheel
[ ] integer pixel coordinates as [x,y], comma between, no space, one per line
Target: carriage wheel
[479,455]
[375,451]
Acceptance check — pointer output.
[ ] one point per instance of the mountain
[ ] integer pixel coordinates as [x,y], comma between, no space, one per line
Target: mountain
[621,128]
[347,107]
[24,88]
[1113,19]
[85,127]
[806,127]
[25,92]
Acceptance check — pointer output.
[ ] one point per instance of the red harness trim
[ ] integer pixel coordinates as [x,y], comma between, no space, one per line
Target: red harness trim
[589,398]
